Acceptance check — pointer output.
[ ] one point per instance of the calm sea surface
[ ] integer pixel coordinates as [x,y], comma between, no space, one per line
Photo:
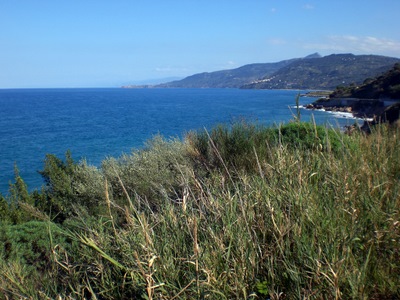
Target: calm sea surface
[96,123]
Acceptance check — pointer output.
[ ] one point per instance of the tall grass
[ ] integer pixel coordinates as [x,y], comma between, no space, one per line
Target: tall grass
[292,212]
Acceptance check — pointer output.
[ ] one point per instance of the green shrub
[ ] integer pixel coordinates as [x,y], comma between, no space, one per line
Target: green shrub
[17,198]
[30,243]
[70,187]
[57,175]
[240,146]
[4,209]
[155,173]
[229,146]
[308,136]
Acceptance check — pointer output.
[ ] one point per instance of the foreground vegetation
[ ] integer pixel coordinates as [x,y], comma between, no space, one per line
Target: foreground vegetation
[242,212]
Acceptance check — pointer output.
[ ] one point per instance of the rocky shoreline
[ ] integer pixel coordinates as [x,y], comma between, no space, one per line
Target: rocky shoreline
[372,111]
[343,109]
[376,100]
[359,108]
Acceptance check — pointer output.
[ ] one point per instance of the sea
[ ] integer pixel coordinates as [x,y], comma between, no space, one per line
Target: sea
[98,123]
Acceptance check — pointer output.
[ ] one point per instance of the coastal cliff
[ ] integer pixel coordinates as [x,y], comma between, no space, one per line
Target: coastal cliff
[376,98]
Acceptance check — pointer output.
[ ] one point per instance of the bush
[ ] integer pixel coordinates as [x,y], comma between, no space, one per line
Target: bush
[57,175]
[236,146]
[4,210]
[229,146]
[30,243]
[70,187]
[156,173]
[308,136]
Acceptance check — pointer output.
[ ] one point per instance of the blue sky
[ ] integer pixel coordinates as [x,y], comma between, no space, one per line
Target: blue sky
[85,43]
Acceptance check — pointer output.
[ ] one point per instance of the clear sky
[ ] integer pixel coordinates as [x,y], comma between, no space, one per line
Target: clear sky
[85,43]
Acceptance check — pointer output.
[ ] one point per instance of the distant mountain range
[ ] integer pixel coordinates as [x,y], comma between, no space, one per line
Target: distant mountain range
[234,78]
[310,72]
[326,72]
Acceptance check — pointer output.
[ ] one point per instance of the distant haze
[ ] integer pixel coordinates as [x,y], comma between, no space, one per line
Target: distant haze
[152,81]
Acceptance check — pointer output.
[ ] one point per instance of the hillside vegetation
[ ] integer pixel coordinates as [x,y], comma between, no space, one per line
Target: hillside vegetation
[234,78]
[387,85]
[367,99]
[296,211]
[326,72]
[310,72]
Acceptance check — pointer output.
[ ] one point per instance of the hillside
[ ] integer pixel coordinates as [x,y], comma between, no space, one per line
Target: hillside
[326,72]
[377,98]
[386,85]
[234,78]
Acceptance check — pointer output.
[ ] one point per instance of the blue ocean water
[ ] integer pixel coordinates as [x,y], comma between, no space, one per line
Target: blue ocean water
[96,123]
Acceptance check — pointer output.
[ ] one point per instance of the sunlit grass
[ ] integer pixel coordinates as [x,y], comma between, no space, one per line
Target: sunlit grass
[292,212]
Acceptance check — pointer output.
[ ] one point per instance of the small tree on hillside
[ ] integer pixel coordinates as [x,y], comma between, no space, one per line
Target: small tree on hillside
[18,195]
